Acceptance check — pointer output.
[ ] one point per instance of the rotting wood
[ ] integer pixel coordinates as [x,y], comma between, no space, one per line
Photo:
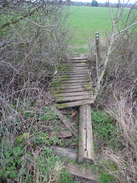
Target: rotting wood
[75,65]
[81,89]
[74,73]
[63,134]
[74,104]
[73,94]
[66,122]
[77,58]
[75,81]
[73,98]
[75,61]
[80,171]
[76,77]
[73,85]
[67,152]
[85,134]
[62,87]
[70,85]
[72,82]
[73,78]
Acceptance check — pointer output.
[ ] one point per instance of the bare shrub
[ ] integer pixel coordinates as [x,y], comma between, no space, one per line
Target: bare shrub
[33,40]
[125,159]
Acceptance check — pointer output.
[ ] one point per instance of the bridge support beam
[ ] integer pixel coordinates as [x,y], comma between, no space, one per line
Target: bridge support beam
[86,150]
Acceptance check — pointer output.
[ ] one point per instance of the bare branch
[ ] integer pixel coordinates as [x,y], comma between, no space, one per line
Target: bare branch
[125,29]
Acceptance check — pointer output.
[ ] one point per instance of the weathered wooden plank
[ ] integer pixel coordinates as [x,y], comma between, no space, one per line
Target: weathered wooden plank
[76,81]
[76,65]
[67,152]
[62,87]
[74,98]
[85,134]
[74,104]
[72,76]
[77,58]
[90,149]
[62,134]
[80,171]
[71,82]
[66,121]
[78,72]
[84,83]
[82,134]
[78,69]
[76,78]
[80,64]
[73,94]
[72,90]
[70,85]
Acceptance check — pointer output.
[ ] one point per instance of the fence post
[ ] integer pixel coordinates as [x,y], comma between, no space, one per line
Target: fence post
[97,44]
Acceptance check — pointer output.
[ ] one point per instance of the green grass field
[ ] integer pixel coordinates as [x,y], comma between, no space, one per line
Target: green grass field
[86,21]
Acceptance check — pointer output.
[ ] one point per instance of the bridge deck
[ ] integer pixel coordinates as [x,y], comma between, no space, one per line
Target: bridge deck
[72,85]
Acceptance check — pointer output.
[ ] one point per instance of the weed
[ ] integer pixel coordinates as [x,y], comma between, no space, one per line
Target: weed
[104,127]
[101,170]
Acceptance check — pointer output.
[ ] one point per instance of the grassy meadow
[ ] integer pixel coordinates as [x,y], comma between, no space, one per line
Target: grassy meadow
[86,21]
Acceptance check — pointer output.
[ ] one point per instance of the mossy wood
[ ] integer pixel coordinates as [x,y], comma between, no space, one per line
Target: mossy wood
[77,58]
[73,94]
[72,83]
[73,98]
[75,61]
[74,104]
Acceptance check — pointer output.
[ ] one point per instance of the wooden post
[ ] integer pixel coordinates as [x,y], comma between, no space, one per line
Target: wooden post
[97,44]
[97,52]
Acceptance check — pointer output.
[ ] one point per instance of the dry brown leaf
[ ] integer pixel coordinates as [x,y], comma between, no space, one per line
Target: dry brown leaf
[73,113]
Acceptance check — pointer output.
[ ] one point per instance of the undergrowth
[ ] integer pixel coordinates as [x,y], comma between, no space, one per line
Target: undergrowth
[104,129]
[27,156]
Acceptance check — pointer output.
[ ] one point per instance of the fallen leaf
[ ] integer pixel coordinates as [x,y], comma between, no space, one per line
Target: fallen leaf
[73,113]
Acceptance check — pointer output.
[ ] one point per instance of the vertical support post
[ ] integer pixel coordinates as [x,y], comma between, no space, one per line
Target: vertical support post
[97,44]
[97,52]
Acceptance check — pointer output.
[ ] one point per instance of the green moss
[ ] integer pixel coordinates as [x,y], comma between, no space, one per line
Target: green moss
[88,87]
[55,84]
[60,91]
[57,95]
[60,98]
[61,105]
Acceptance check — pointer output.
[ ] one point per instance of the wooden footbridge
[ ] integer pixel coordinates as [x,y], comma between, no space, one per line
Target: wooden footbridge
[72,87]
